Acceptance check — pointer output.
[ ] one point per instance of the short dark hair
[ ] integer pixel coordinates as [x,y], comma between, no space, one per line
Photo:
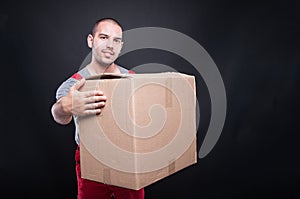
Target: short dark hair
[114,21]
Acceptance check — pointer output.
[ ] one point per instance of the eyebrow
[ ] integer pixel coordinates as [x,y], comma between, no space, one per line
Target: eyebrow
[103,34]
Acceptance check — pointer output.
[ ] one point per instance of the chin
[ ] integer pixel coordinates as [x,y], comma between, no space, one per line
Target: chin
[108,61]
[106,64]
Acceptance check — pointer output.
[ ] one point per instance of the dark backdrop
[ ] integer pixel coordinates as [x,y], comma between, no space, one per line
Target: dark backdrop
[256,49]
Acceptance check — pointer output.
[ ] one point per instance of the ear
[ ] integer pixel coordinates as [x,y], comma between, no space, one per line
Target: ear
[89,40]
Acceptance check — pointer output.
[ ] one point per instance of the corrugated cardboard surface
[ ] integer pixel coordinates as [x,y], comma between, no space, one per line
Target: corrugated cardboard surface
[146,130]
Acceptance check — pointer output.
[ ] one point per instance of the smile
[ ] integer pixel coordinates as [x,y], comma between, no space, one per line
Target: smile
[107,52]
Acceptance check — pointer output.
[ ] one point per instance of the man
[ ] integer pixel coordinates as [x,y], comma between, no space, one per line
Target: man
[106,43]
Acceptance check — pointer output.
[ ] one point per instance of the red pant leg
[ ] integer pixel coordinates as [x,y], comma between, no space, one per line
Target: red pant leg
[123,193]
[88,189]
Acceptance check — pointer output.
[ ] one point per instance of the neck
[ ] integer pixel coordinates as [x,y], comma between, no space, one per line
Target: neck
[96,69]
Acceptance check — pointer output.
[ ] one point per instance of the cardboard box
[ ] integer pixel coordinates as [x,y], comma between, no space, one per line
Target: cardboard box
[145,132]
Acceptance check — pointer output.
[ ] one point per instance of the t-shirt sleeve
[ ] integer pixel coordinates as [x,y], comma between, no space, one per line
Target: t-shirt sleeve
[64,88]
[131,72]
[66,85]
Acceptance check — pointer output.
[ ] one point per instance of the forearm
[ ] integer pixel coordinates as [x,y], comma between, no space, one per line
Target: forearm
[61,115]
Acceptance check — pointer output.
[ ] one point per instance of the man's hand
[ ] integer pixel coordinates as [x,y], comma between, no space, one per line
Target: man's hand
[78,103]
[83,103]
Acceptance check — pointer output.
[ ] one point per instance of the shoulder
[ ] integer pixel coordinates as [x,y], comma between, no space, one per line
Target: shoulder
[125,71]
[131,72]
[64,88]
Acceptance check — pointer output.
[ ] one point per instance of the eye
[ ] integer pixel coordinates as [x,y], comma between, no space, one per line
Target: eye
[117,41]
[103,37]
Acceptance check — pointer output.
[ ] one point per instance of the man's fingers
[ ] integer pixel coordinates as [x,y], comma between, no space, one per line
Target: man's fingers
[93,112]
[93,93]
[95,99]
[86,102]
[97,105]
[94,108]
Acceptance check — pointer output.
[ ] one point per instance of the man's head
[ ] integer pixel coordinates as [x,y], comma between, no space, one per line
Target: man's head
[112,20]
[105,41]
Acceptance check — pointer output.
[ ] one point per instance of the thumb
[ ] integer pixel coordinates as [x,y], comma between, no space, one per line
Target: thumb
[79,84]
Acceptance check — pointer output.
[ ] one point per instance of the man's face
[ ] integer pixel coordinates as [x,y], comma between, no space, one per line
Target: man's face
[106,43]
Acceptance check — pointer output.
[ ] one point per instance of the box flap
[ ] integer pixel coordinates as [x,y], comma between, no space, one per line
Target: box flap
[107,76]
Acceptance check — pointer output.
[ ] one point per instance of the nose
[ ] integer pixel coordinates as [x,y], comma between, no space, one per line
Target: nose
[109,43]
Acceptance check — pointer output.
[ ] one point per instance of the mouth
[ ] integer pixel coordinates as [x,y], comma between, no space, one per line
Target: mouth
[108,53]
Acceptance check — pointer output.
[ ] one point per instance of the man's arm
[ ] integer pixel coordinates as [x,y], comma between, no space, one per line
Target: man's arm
[77,103]
[60,114]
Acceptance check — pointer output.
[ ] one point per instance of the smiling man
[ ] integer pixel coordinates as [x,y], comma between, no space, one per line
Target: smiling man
[106,44]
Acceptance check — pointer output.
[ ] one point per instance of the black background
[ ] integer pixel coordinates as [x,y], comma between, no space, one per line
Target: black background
[256,49]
